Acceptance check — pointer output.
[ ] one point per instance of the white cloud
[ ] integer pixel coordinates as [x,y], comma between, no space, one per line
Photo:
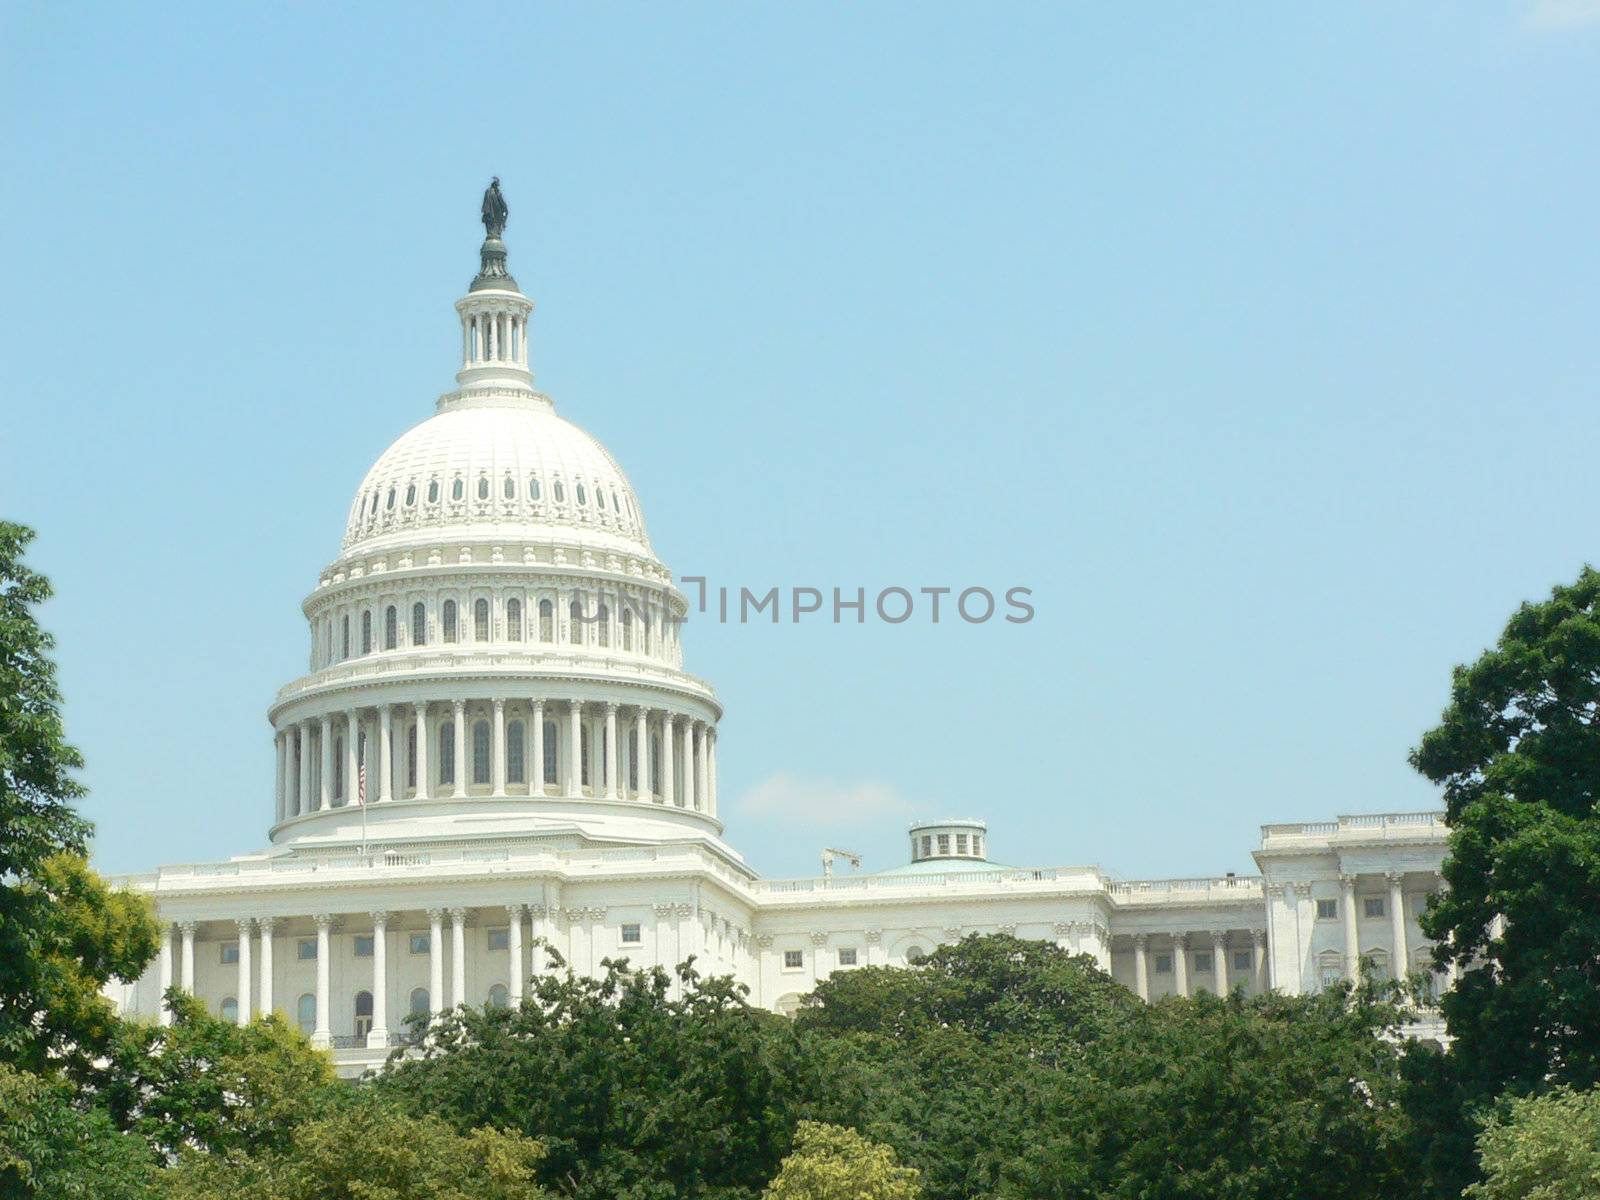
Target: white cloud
[1562,14]
[784,799]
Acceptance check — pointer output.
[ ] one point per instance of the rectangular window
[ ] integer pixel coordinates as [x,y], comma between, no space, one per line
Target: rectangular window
[1202,963]
[499,939]
[961,843]
[419,943]
[1163,964]
[1241,961]
[363,945]
[927,846]
[306,949]
[1327,910]
[631,935]
[847,956]
[230,952]
[944,843]
[793,960]
[1372,906]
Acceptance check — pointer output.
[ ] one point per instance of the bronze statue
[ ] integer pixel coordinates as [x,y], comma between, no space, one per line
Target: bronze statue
[494,210]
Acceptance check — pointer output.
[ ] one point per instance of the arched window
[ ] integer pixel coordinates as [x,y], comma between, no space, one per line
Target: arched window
[338,766]
[603,625]
[230,1010]
[508,489]
[389,503]
[363,1014]
[915,955]
[419,1002]
[419,624]
[344,636]
[483,487]
[458,489]
[411,494]
[533,487]
[575,624]
[366,631]
[561,493]
[480,752]
[498,996]
[516,766]
[600,497]
[547,621]
[447,752]
[480,620]
[513,620]
[391,628]
[550,752]
[582,497]
[448,620]
[433,491]
[583,750]
[627,627]
[305,1013]
[411,756]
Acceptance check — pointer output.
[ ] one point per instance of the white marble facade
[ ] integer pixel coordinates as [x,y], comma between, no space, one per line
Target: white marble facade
[494,667]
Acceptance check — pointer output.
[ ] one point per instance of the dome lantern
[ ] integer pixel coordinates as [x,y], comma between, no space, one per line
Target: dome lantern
[494,312]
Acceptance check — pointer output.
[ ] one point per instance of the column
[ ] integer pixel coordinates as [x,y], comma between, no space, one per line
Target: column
[462,766]
[352,755]
[164,971]
[186,956]
[378,1037]
[702,771]
[322,1034]
[515,973]
[667,782]
[1258,959]
[536,767]
[303,799]
[385,753]
[424,789]
[1180,963]
[325,784]
[497,756]
[711,770]
[687,799]
[641,754]
[436,1002]
[1347,911]
[1397,921]
[1219,961]
[1141,966]
[458,956]
[539,928]
[610,755]
[264,927]
[246,927]
[575,748]
[279,781]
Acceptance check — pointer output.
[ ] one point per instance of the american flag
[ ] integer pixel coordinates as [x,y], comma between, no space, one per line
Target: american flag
[361,784]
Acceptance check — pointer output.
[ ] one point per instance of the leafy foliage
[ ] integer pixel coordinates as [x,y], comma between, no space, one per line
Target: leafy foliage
[1542,1148]
[832,1163]
[63,934]
[209,1085]
[1518,754]
[367,1150]
[54,1150]
[636,1094]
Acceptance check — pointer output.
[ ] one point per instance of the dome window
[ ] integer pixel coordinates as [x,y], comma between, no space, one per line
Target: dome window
[447,619]
[411,494]
[419,624]
[480,620]
[483,487]
[582,499]
[561,493]
[509,488]
[600,497]
[433,491]
[533,487]
[361,513]
[513,620]
[458,489]
[374,508]
[389,503]
[391,628]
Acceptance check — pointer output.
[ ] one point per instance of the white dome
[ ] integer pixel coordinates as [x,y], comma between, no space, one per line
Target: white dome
[501,467]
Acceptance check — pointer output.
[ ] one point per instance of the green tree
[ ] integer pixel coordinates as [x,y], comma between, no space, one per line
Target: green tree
[1517,753]
[833,1163]
[366,1150]
[635,1093]
[1541,1148]
[63,934]
[53,1149]
[210,1085]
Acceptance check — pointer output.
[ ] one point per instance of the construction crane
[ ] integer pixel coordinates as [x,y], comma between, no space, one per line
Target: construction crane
[831,853]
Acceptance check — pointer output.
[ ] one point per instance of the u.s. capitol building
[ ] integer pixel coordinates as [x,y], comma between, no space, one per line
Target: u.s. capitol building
[495,666]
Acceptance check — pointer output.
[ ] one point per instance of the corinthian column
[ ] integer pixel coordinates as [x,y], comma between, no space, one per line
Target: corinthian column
[536,768]
[641,754]
[385,752]
[424,788]
[462,766]
[246,928]
[497,750]
[610,754]
[458,956]
[1397,919]
[264,927]
[575,749]
[1180,963]
[1347,910]
[378,1036]
[1141,966]
[667,781]
[322,1034]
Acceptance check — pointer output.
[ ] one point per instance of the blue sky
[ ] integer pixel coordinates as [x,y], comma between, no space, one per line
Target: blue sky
[1258,341]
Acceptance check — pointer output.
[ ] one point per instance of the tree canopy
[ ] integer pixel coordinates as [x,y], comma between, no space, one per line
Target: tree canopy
[833,1163]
